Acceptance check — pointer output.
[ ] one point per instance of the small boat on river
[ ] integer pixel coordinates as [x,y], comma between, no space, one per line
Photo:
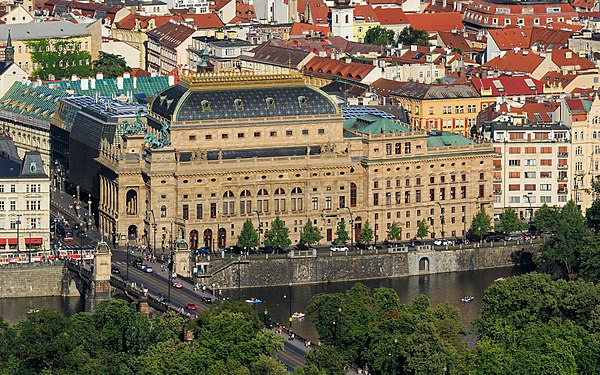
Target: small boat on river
[254,301]
[298,315]
[468,299]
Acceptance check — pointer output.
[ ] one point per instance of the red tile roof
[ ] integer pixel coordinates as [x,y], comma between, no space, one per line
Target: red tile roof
[520,61]
[526,37]
[391,16]
[583,4]
[137,72]
[366,12]
[432,22]
[337,68]
[385,87]
[318,10]
[299,29]
[171,34]
[568,58]
[455,40]
[509,85]
[535,112]
[200,21]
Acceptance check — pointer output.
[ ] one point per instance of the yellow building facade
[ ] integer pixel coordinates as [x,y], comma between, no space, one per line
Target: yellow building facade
[256,147]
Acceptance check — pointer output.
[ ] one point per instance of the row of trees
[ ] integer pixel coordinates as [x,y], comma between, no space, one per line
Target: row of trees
[408,36]
[229,339]
[529,324]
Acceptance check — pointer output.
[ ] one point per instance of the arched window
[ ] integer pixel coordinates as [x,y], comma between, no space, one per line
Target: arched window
[245,202]
[296,199]
[228,203]
[279,202]
[163,211]
[296,190]
[262,204]
[352,194]
[347,18]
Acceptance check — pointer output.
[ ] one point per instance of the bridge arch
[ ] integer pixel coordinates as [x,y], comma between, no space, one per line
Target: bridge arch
[424,264]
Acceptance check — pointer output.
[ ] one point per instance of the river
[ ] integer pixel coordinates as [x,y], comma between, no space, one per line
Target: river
[439,288]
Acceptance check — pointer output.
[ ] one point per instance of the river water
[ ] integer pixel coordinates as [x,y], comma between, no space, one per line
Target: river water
[439,288]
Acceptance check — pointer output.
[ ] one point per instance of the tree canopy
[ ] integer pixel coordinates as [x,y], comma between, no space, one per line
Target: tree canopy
[393,233]
[278,236]
[481,223]
[310,234]
[409,36]
[342,236]
[116,339]
[248,237]
[366,233]
[380,35]
[110,65]
[509,222]
[422,228]
[59,58]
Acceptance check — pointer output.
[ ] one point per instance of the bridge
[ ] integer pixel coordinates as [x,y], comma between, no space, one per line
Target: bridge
[96,283]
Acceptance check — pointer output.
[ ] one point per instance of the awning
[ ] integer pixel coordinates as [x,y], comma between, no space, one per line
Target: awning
[33,241]
[12,241]
[2,241]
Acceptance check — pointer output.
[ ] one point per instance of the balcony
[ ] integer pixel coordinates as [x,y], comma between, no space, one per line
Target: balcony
[561,179]
[497,179]
[564,166]
[497,167]
[563,191]
[562,154]
[497,192]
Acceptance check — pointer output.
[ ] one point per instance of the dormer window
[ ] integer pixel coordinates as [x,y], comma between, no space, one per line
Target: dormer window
[302,101]
[205,106]
[270,103]
[239,104]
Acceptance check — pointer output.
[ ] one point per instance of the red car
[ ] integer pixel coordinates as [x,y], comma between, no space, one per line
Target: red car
[190,306]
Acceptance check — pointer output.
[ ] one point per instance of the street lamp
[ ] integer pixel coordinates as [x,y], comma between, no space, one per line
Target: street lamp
[153,226]
[530,209]
[441,217]
[576,187]
[351,226]
[259,227]
[89,202]
[18,224]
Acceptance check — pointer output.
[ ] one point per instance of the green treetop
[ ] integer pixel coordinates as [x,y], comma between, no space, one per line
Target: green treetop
[422,228]
[409,36]
[366,233]
[278,237]
[310,234]
[110,65]
[393,233]
[341,233]
[509,222]
[379,35]
[59,58]
[248,237]
[481,224]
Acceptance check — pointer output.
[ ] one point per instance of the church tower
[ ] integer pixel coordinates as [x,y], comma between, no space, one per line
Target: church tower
[342,19]
[9,51]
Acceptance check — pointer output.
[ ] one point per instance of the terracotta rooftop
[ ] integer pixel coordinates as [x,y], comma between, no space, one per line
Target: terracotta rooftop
[509,85]
[433,91]
[337,68]
[318,10]
[520,61]
[433,22]
[567,58]
[366,12]
[527,37]
[299,29]
[172,34]
[455,40]
[391,16]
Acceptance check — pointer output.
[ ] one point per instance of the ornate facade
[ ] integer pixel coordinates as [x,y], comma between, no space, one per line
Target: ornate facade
[218,149]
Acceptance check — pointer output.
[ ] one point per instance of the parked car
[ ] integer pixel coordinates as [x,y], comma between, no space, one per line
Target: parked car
[115,270]
[191,306]
[302,246]
[207,300]
[203,250]
[82,234]
[235,249]
[338,248]
[511,237]
[177,285]
[417,243]
[443,242]
[360,245]
[137,263]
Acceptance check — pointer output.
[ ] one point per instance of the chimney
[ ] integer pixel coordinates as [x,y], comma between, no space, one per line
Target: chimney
[99,75]
[120,82]
[171,80]
[348,60]
[93,83]
[73,77]
[126,75]
[153,74]
[135,82]
[413,48]
[568,55]
[431,48]
[85,84]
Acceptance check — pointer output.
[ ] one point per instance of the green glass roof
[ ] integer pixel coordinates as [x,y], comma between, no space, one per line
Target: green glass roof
[437,138]
[371,124]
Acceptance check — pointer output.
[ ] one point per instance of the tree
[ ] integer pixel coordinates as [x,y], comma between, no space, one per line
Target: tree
[410,36]
[592,216]
[379,35]
[59,58]
[278,237]
[248,237]
[393,233]
[422,228]
[341,233]
[458,50]
[509,222]
[545,218]
[366,233]
[560,254]
[110,65]
[310,234]
[481,224]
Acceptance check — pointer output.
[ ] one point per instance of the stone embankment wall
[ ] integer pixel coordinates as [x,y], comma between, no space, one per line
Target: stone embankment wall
[33,281]
[323,269]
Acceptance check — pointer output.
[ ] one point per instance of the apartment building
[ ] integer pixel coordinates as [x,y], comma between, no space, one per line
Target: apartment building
[531,167]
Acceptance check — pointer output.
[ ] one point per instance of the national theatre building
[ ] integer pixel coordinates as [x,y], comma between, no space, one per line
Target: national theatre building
[218,149]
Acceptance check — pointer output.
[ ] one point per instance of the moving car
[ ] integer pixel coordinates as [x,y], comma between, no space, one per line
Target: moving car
[203,250]
[177,285]
[191,306]
[115,270]
[148,269]
[206,299]
[338,248]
